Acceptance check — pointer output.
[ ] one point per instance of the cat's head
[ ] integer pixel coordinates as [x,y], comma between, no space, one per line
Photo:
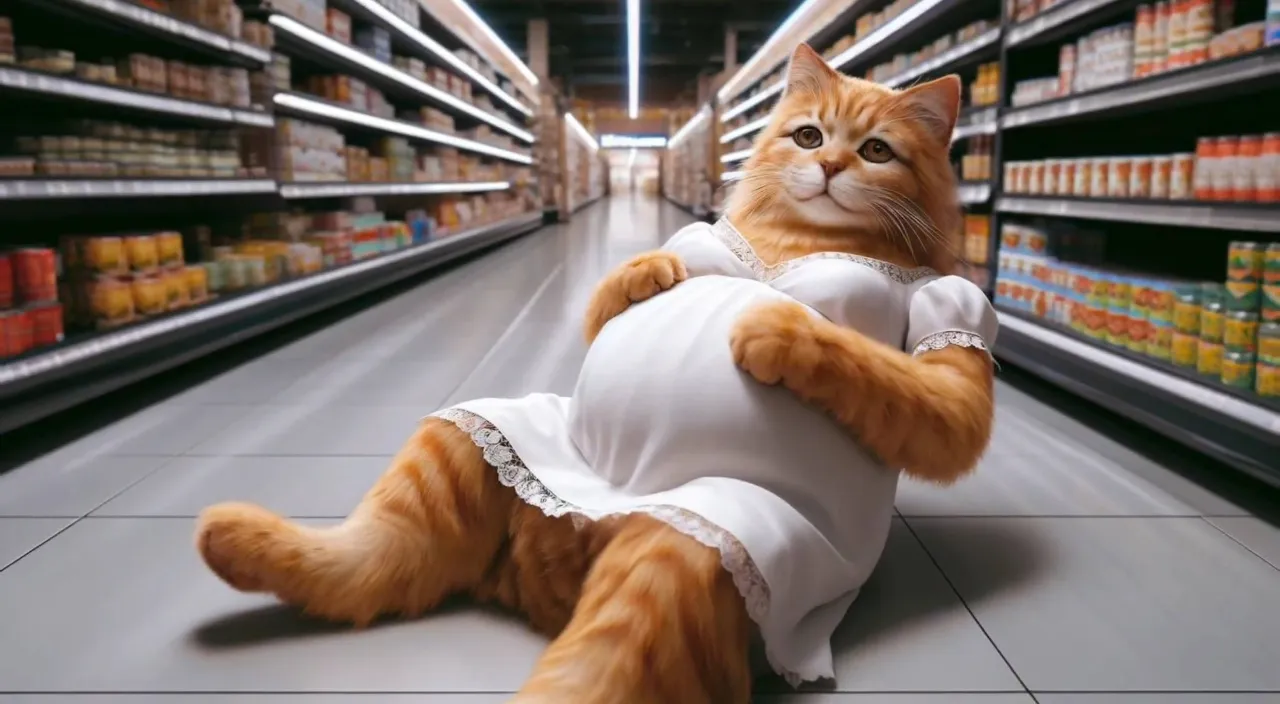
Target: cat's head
[841,154]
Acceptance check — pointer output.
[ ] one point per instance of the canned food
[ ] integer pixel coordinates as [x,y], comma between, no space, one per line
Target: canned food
[1224,166]
[1271,301]
[197,283]
[1118,175]
[215,273]
[1118,326]
[1140,177]
[15,333]
[1246,261]
[111,301]
[1209,358]
[150,295]
[1243,296]
[1160,303]
[1237,369]
[1036,178]
[1161,174]
[1267,174]
[176,293]
[1067,177]
[1269,342]
[1160,344]
[1244,186]
[1271,264]
[255,271]
[99,255]
[1268,379]
[1212,321]
[1052,172]
[1206,162]
[46,324]
[1212,291]
[144,254]
[1240,331]
[35,275]
[234,269]
[169,248]
[1098,178]
[1138,333]
[6,281]
[1082,179]
[1182,178]
[1186,313]
[1183,349]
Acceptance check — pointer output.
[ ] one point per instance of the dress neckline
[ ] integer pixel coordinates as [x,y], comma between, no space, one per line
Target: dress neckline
[742,249]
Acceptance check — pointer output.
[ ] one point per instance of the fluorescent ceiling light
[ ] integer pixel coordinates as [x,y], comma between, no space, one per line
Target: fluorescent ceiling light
[623,141]
[730,88]
[693,122]
[745,130]
[633,58]
[334,112]
[337,48]
[502,46]
[440,52]
[582,131]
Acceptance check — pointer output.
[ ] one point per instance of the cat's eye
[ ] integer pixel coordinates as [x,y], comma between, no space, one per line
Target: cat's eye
[808,137]
[876,151]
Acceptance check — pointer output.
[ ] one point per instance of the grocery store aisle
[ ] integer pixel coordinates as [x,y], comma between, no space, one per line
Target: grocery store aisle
[1073,564]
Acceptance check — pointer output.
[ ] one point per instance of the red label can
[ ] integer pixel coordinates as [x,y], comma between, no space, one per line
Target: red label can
[15,333]
[6,280]
[46,324]
[35,275]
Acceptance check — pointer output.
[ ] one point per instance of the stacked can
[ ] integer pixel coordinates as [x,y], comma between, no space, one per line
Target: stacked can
[30,315]
[1186,326]
[1246,262]
[1212,320]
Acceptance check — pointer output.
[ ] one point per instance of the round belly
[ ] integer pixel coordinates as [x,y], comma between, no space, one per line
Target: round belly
[660,402]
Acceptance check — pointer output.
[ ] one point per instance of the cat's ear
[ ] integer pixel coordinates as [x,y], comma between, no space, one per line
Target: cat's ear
[808,72]
[937,104]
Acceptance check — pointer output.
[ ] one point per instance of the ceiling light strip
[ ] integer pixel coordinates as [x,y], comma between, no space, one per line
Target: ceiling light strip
[582,131]
[440,52]
[736,82]
[337,48]
[493,36]
[626,141]
[633,58]
[745,130]
[334,112]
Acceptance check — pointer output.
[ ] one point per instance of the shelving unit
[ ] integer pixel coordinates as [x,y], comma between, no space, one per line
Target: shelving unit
[1157,104]
[271,197]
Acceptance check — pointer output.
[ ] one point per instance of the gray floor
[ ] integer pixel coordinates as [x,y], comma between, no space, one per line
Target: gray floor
[1073,569]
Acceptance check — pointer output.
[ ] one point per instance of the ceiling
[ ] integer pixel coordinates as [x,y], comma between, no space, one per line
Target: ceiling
[679,40]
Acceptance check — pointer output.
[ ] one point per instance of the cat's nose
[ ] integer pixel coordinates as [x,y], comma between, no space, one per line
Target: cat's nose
[831,168]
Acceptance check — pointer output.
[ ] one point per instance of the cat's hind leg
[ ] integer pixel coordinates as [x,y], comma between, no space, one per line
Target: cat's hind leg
[429,528]
[659,620]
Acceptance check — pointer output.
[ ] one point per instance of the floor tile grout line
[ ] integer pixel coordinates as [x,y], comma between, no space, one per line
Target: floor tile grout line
[82,516]
[1237,541]
[969,609]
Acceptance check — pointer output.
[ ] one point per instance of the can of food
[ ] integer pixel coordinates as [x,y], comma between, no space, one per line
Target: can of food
[1139,331]
[150,296]
[1186,312]
[1182,178]
[1224,167]
[1270,302]
[215,275]
[35,275]
[1183,349]
[1212,291]
[1240,331]
[102,255]
[1212,321]
[144,254]
[1082,179]
[175,285]
[1268,379]
[1244,185]
[1160,344]
[1206,163]
[1238,369]
[1010,176]
[1246,261]
[235,271]
[6,281]
[169,248]
[1120,171]
[1067,177]
[46,323]
[15,333]
[1140,177]
[1267,174]
[1243,296]
[197,283]
[1161,173]
[1098,173]
[1036,177]
[255,271]
[111,301]
[1161,302]
[1271,264]
[1052,172]
[1209,358]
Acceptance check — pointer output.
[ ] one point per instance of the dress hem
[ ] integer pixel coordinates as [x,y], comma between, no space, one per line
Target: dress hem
[512,472]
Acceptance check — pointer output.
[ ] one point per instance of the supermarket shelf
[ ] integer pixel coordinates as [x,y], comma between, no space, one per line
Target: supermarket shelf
[372,11]
[745,130]
[729,176]
[1246,73]
[1213,421]
[61,189]
[948,59]
[292,33]
[767,93]
[35,82]
[908,22]
[976,123]
[1216,216]
[973,193]
[317,108]
[49,381]
[158,24]
[298,191]
[740,155]
[1056,22]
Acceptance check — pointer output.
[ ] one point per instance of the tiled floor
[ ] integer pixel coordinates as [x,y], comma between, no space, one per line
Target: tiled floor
[1075,568]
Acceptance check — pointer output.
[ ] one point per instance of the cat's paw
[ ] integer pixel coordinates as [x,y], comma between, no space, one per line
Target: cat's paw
[776,343]
[638,280]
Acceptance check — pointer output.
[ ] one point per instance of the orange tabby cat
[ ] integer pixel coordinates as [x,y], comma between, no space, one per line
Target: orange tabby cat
[641,612]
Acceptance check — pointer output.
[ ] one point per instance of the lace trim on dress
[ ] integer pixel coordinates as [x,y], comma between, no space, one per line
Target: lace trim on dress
[950,338]
[741,248]
[513,473]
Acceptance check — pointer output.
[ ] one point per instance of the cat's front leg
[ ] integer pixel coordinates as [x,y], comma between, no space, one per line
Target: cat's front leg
[778,343]
[639,279]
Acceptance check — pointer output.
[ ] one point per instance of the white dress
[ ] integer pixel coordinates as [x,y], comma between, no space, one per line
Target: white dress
[663,422]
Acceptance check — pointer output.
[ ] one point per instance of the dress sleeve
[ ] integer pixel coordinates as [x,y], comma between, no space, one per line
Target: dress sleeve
[702,252]
[950,311]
